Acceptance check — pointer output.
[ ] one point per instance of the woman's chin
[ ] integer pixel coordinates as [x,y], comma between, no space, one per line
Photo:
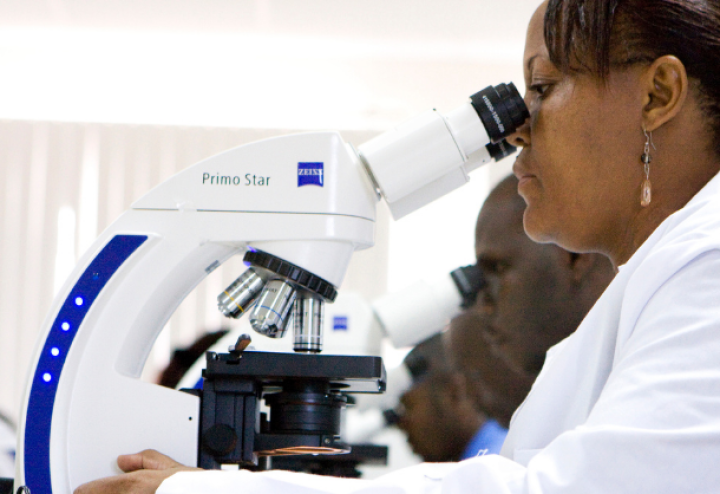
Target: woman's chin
[536,227]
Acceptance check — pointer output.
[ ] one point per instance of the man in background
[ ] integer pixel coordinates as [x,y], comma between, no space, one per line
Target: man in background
[437,416]
[533,296]
[493,386]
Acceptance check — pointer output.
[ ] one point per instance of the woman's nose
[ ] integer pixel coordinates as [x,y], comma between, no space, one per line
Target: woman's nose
[521,137]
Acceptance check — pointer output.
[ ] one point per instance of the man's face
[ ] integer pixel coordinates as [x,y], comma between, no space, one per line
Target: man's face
[495,388]
[419,421]
[436,415]
[527,285]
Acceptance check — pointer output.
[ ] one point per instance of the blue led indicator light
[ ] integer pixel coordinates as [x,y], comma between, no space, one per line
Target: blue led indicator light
[47,377]
[54,351]
[65,326]
[79,301]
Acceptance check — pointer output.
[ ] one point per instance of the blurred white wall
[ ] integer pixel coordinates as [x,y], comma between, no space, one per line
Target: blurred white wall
[100,101]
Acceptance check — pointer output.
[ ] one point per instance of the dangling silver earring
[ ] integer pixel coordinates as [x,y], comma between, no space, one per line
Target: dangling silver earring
[646,189]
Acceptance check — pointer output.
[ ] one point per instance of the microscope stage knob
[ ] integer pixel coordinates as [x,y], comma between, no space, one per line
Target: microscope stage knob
[220,439]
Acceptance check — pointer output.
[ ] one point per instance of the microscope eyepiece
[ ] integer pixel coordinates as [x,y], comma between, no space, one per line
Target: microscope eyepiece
[469,282]
[500,150]
[501,109]
[432,154]
[514,103]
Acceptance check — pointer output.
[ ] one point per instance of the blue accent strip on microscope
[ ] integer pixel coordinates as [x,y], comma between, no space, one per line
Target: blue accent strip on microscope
[50,365]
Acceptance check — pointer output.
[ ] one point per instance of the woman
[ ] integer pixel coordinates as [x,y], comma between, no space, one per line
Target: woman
[620,156]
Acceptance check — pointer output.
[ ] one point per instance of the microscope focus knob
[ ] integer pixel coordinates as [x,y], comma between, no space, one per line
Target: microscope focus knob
[220,439]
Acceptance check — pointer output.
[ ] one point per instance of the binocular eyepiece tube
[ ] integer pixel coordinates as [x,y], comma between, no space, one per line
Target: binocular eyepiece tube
[431,154]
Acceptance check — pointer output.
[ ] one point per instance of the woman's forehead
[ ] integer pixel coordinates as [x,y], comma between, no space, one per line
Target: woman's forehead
[535,40]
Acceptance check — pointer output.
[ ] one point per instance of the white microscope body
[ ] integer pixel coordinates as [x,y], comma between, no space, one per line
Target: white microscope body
[84,402]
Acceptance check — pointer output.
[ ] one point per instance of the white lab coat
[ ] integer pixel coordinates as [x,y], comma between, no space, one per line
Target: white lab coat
[630,403]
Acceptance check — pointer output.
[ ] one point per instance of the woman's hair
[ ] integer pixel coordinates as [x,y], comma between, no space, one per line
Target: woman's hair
[595,35]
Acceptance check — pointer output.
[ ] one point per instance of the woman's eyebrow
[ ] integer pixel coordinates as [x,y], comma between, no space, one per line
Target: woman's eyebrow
[529,63]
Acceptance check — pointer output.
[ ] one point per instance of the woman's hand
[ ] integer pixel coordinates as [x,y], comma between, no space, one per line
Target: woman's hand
[144,472]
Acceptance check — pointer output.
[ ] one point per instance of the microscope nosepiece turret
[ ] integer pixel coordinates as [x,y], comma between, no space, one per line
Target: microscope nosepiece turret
[278,291]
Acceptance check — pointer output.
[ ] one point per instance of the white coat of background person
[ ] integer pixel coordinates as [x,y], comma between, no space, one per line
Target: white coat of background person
[620,156]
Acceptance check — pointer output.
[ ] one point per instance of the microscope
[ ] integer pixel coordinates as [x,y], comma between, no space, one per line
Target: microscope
[425,307]
[296,207]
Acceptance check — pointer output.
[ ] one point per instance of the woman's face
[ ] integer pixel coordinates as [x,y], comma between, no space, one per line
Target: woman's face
[579,170]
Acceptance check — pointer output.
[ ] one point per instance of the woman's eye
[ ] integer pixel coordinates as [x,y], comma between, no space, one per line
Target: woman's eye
[540,89]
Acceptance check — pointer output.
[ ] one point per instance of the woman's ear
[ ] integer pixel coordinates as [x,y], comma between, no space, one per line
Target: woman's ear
[665,86]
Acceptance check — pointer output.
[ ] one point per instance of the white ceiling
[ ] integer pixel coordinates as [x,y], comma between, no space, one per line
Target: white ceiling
[392,20]
[265,63]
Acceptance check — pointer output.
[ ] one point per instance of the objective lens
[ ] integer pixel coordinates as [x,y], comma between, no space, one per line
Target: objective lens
[272,311]
[241,294]
[308,317]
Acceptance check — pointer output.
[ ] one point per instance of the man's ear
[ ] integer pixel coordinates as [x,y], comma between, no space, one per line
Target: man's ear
[665,87]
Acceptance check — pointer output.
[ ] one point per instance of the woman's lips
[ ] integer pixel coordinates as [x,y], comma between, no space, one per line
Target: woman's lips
[522,175]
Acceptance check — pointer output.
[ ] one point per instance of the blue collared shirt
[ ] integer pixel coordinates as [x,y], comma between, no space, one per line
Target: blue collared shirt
[487,440]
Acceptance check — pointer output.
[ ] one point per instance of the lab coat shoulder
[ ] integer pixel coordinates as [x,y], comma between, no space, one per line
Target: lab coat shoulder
[655,426]
[691,235]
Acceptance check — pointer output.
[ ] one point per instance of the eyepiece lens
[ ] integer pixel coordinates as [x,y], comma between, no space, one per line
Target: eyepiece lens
[500,150]
[501,110]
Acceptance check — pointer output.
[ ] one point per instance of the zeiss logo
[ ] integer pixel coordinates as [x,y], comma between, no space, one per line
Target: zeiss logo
[340,323]
[310,174]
